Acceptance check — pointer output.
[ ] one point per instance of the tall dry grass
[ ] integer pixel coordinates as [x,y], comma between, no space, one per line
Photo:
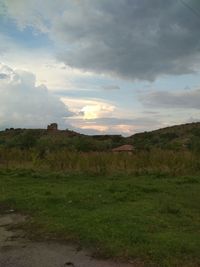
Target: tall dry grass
[153,162]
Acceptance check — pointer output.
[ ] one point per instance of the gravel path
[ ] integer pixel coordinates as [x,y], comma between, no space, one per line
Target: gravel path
[17,251]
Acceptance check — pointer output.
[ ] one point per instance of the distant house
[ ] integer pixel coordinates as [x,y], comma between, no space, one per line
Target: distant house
[125,149]
[52,127]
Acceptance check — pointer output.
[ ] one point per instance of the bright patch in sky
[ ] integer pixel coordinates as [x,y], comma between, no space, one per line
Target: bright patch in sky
[92,111]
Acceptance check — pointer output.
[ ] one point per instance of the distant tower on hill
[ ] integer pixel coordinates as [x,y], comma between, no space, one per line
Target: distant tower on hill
[52,127]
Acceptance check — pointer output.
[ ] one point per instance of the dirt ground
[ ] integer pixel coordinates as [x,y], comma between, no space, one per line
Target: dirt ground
[18,251]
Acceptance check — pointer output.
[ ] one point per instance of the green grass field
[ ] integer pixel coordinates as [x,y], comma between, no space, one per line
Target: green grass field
[155,219]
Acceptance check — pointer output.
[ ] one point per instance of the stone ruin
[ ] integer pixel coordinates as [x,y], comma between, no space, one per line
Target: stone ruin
[52,127]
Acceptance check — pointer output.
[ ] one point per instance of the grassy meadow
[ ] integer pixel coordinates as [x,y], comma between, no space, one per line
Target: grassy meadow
[153,219]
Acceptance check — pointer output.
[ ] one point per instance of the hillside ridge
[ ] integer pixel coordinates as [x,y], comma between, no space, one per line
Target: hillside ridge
[183,136]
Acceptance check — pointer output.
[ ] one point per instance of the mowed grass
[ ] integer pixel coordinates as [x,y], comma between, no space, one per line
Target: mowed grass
[154,219]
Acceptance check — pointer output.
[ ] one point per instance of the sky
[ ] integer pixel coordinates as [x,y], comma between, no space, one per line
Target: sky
[99,66]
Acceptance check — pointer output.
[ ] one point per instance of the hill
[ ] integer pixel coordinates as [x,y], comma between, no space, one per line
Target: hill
[53,140]
[178,137]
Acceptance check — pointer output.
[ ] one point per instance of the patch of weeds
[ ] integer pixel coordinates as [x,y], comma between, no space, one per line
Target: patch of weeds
[55,200]
[120,196]
[4,172]
[47,193]
[149,189]
[137,238]
[22,173]
[158,175]
[188,180]
[171,209]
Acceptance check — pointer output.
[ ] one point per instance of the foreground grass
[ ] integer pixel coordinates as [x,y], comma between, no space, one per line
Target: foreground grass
[154,219]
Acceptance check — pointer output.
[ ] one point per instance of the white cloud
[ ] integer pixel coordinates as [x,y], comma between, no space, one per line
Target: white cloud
[90,108]
[49,71]
[96,110]
[40,61]
[23,104]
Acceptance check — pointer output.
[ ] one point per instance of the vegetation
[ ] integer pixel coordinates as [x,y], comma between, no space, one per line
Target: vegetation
[43,140]
[143,206]
[151,218]
[156,161]
[180,137]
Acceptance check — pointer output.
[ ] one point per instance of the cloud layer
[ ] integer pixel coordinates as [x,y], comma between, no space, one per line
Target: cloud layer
[23,104]
[115,47]
[138,39]
[181,100]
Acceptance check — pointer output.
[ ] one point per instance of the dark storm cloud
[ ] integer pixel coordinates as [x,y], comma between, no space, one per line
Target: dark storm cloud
[184,100]
[134,39]
[138,39]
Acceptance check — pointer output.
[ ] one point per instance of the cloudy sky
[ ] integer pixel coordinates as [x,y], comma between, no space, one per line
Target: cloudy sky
[99,66]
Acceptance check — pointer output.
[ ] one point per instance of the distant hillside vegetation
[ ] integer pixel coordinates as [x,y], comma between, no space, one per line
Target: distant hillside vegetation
[53,140]
[179,137]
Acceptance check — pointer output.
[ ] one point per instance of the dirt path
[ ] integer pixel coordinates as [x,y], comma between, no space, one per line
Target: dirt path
[17,251]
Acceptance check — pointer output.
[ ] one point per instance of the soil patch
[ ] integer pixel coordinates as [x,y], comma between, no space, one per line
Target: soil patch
[17,250]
